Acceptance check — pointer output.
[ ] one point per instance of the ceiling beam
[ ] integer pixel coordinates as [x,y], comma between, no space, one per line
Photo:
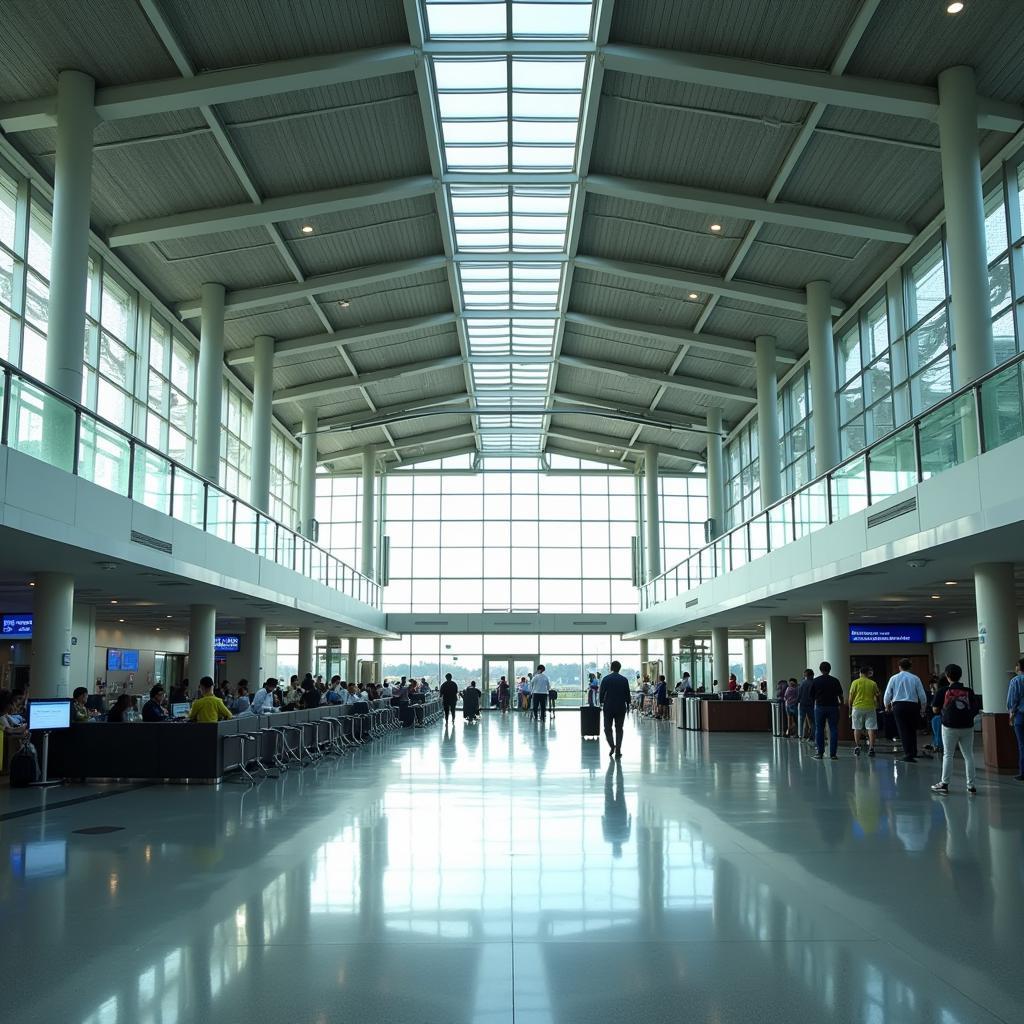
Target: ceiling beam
[230,85]
[730,204]
[193,223]
[876,95]
[598,406]
[348,335]
[604,460]
[345,420]
[271,295]
[320,388]
[790,299]
[676,335]
[405,443]
[693,384]
[444,453]
[618,443]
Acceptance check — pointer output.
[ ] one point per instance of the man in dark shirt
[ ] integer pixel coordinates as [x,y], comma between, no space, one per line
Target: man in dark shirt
[449,691]
[615,697]
[805,706]
[827,694]
[153,710]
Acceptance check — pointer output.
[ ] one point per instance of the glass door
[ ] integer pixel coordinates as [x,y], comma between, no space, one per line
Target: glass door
[512,666]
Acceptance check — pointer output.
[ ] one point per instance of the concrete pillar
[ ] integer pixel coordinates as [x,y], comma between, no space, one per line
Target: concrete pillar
[768,421]
[368,519]
[210,382]
[716,473]
[969,309]
[998,636]
[201,629]
[53,601]
[378,660]
[748,661]
[670,662]
[652,512]
[307,650]
[720,656]
[644,656]
[69,254]
[352,652]
[822,351]
[307,474]
[835,638]
[786,648]
[255,641]
[262,407]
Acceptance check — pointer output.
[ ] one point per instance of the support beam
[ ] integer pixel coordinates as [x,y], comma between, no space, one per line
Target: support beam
[307,474]
[210,382]
[879,96]
[405,443]
[625,468]
[444,453]
[319,388]
[367,518]
[618,443]
[600,405]
[271,211]
[290,291]
[703,387]
[768,422]
[231,85]
[822,352]
[262,423]
[790,299]
[730,204]
[368,332]
[716,474]
[652,515]
[399,412]
[676,335]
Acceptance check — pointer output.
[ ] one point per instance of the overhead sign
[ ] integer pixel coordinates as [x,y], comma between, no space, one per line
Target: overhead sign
[227,643]
[15,627]
[887,634]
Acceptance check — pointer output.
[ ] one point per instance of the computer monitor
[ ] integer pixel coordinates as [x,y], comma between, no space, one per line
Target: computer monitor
[49,714]
[180,710]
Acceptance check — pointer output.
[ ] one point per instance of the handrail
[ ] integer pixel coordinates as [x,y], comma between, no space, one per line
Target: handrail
[717,554]
[248,527]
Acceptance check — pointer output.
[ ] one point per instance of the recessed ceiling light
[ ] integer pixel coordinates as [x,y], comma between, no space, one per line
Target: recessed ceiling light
[716,227]
[344,303]
[168,616]
[113,601]
[307,229]
[158,628]
[693,295]
[954,8]
[927,616]
[31,583]
[951,583]
[936,597]
[120,620]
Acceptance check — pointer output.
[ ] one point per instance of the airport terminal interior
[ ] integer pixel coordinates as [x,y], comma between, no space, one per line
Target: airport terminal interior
[397,396]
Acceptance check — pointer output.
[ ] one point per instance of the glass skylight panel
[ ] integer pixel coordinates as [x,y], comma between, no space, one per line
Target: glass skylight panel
[451,19]
[555,19]
[492,19]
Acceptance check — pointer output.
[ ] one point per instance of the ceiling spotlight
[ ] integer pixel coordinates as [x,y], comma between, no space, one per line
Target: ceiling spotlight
[951,583]
[158,628]
[917,563]
[927,616]
[168,616]
[716,228]
[31,583]
[936,597]
[344,303]
[954,8]
[120,620]
[113,600]
[307,229]
[693,295]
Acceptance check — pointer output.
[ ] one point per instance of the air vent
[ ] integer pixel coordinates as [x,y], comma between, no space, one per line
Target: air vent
[431,622]
[893,512]
[692,603]
[152,542]
[584,622]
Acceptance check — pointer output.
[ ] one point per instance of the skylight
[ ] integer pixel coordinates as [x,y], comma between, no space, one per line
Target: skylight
[504,19]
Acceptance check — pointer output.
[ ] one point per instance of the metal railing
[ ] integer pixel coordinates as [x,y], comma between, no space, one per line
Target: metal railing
[982,416]
[39,422]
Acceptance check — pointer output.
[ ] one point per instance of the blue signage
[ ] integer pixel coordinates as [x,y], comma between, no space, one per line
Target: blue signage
[886,634]
[119,660]
[15,627]
[227,643]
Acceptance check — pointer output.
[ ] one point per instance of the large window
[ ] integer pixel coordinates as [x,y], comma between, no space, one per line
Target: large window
[284,476]
[235,441]
[796,436]
[338,511]
[684,508]
[170,406]
[742,481]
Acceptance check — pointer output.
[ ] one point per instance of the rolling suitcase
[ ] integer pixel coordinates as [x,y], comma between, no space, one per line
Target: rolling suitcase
[590,722]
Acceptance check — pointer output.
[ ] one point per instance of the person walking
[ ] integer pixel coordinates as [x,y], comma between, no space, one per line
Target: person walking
[906,699]
[1015,707]
[449,691]
[864,709]
[827,693]
[615,698]
[789,699]
[539,689]
[805,707]
[959,708]
[503,695]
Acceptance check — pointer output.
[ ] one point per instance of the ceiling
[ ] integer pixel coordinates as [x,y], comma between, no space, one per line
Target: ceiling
[500,215]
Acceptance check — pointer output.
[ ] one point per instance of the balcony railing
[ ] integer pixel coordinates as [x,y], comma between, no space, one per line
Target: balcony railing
[980,417]
[41,423]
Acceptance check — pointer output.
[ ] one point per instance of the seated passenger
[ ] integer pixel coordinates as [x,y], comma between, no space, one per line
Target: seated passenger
[208,708]
[240,704]
[332,696]
[263,702]
[16,731]
[153,710]
[122,706]
[310,694]
[80,712]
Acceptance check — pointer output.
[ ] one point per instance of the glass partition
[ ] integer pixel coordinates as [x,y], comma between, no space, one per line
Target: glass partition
[780,524]
[849,488]
[893,464]
[104,455]
[188,499]
[41,425]
[152,480]
[1002,406]
[948,436]
[811,508]
[245,526]
[219,513]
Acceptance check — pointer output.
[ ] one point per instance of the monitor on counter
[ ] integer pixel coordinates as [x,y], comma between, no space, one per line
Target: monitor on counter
[885,633]
[15,627]
[180,710]
[49,714]
[227,643]
[121,660]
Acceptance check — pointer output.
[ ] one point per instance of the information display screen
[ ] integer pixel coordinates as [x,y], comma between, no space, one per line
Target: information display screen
[887,634]
[180,710]
[227,643]
[120,660]
[49,714]
[15,627]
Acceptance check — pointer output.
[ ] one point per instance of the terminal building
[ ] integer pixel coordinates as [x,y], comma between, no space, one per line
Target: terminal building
[414,339]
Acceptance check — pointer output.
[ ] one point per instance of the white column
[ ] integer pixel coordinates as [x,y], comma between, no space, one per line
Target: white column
[644,656]
[307,474]
[835,638]
[652,511]
[768,421]
[201,629]
[670,662]
[720,656]
[748,661]
[255,641]
[352,651]
[53,601]
[823,376]
[262,407]
[716,472]
[368,520]
[969,308]
[210,382]
[998,636]
[307,650]
[785,647]
[69,254]
[378,660]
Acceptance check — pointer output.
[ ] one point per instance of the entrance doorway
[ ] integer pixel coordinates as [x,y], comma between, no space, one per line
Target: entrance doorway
[511,666]
[168,669]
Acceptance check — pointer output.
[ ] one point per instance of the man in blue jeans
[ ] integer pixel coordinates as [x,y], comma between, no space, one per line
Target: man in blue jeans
[1015,706]
[827,693]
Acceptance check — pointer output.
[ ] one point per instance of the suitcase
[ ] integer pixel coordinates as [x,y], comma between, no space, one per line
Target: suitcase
[590,722]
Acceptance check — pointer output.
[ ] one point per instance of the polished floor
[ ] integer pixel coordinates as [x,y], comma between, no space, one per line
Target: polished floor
[508,872]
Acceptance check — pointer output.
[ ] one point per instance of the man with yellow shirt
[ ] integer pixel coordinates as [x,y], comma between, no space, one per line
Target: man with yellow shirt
[207,708]
[864,709]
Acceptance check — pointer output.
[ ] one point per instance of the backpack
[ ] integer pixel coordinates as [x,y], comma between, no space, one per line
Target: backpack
[24,767]
[959,710]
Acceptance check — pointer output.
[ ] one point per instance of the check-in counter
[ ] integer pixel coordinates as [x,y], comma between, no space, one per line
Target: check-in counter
[736,715]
